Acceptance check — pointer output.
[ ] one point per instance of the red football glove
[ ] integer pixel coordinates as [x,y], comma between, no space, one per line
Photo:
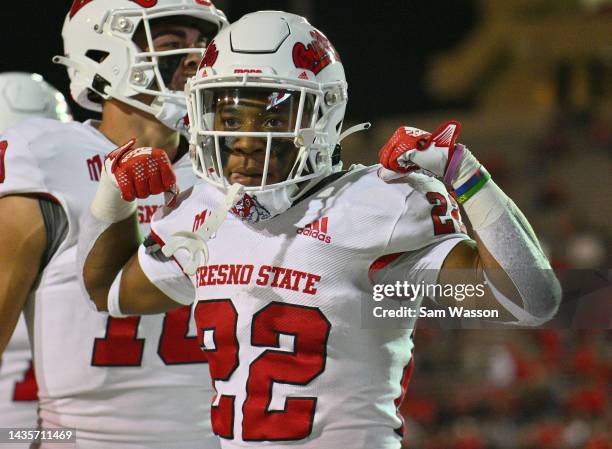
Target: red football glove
[141,172]
[411,149]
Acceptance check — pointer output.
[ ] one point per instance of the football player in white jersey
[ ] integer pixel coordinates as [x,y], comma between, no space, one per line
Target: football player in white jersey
[282,246]
[120,383]
[23,95]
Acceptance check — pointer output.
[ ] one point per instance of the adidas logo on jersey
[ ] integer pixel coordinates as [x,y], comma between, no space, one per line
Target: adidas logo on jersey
[317,230]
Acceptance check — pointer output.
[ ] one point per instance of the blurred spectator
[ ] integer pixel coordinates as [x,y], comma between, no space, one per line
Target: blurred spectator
[586,250]
[525,389]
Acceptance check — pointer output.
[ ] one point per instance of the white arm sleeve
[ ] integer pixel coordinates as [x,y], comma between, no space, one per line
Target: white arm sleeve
[166,275]
[507,235]
[90,229]
[509,238]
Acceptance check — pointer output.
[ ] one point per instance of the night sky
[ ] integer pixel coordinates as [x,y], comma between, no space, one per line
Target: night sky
[385,46]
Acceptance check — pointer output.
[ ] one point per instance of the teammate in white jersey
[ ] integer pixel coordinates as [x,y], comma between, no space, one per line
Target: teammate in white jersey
[282,246]
[120,383]
[22,96]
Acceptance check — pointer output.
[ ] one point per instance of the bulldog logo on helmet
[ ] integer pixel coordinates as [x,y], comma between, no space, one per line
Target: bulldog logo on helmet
[210,56]
[316,56]
[78,4]
[146,3]
[250,210]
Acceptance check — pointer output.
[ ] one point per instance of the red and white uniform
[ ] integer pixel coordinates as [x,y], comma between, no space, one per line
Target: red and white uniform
[278,310]
[122,383]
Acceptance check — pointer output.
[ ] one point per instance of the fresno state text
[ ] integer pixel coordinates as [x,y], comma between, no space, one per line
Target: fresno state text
[265,275]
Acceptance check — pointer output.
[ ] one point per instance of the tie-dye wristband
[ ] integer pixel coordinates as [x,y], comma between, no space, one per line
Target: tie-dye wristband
[472,185]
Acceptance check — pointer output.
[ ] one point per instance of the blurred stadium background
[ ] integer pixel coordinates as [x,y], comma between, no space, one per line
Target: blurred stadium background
[531,82]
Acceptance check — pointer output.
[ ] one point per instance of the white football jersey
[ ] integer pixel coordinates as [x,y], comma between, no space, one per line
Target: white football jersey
[278,310]
[122,383]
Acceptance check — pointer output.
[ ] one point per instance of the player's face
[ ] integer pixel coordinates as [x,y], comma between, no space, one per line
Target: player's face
[244,157]
[174,34]
[176,69]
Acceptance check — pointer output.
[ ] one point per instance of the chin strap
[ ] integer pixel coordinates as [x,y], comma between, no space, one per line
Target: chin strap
[195,242]
[354,129]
